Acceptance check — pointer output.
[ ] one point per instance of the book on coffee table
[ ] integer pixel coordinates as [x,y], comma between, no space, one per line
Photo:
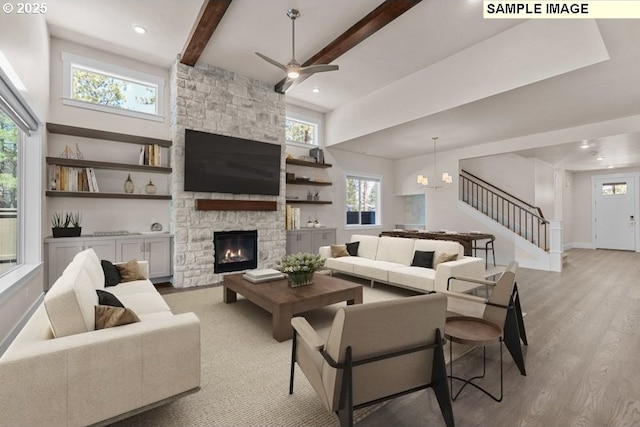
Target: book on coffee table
[263,275]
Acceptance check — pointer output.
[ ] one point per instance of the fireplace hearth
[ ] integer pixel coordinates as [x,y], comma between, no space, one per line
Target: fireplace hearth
[235,250]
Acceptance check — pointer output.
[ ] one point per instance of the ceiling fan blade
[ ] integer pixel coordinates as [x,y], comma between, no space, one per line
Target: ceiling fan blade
[317,69]
[273,62]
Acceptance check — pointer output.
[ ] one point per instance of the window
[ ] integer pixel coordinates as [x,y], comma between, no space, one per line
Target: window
[302,132]
[363,200]
[9,191]
[614,188]
[106,87]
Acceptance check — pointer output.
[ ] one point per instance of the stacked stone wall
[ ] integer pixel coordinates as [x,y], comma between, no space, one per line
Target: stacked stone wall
[209,99]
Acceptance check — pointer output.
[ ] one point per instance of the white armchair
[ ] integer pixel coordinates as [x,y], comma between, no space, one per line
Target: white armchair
[375,352]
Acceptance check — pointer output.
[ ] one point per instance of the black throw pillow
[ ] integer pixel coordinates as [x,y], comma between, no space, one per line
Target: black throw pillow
[423,259]
[352,248]
[107,298]
[111,274]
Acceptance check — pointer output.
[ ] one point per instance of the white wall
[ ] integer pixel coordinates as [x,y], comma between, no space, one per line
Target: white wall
[108,214]
[24,42]
[568,210]
[347,162]
[82,117]
[494,169]
[544,189]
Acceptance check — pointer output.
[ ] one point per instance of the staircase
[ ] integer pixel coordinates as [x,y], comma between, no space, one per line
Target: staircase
[512,213]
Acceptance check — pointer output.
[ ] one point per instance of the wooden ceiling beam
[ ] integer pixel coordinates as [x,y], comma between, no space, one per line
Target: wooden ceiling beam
[375,20]
[208,19]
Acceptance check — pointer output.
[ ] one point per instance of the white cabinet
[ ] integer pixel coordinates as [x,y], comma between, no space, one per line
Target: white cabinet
[157,250]
[59,254]
[309,240]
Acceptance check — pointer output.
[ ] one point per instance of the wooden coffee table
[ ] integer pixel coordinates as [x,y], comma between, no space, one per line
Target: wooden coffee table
[284,302]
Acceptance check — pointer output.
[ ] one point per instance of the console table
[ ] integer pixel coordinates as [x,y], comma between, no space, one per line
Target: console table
[465,239]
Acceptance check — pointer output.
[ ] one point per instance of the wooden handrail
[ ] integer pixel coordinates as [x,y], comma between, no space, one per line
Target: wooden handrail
[505,192]
[517,217]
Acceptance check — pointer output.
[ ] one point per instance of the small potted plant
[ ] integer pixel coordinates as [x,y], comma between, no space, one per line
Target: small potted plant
[300,267]
[66,224]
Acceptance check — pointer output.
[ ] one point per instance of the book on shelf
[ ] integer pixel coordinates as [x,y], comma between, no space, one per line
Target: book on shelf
[66,178]
[150,155]
[292,218]
[94,181]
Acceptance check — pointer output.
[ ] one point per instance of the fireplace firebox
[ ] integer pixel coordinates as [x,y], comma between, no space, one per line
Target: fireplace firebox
[235,250]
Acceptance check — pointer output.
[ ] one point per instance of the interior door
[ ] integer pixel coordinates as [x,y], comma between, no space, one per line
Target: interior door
[615,216]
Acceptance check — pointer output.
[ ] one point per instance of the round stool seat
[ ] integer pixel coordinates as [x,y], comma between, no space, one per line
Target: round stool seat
[471,331]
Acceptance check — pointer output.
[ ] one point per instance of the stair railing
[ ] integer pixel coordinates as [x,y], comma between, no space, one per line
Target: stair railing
[519,216]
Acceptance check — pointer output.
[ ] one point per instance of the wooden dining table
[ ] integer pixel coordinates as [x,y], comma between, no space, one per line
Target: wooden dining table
[466,239]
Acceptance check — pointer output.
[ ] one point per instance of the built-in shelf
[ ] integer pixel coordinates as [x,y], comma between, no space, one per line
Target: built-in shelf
[307,182]
[105,165]
[101,134]
[309,202]
[309,164]
[103,195]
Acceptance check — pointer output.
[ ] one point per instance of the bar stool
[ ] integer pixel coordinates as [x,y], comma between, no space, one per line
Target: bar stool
[487,246]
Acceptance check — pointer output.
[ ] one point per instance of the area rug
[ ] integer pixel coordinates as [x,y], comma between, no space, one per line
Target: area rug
[245,372]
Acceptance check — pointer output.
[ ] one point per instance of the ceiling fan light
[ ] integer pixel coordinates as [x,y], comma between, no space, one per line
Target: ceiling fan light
[293,74]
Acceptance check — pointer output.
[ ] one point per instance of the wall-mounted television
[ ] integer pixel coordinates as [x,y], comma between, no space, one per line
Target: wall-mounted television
[224,164]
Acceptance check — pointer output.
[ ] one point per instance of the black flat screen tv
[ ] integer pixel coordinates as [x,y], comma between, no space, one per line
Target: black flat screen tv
[224,164]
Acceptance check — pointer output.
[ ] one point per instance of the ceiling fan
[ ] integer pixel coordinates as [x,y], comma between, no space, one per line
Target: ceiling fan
[293,68]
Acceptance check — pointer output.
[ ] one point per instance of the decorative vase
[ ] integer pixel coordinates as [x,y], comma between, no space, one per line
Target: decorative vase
[150,188]
[128,185]
[303,278]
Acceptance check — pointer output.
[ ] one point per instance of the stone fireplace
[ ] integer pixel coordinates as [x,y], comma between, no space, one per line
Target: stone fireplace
[209,99]
[235,250]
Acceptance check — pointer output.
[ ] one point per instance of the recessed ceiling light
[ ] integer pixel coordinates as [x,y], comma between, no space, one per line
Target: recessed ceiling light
[599,158]
[610,167]
[585,144]
[315,90]
[140,30]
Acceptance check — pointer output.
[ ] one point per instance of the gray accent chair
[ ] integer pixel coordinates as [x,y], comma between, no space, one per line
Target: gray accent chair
[375,352]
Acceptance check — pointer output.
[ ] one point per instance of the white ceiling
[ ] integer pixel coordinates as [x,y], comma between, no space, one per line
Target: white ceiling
[428,33]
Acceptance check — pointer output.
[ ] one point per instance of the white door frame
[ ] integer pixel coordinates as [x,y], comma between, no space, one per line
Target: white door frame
[636,208]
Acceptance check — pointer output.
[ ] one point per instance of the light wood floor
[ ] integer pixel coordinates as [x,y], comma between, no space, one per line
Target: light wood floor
[583,358]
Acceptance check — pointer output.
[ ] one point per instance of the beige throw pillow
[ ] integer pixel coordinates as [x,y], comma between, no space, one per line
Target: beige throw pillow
[130,271]
[108,316]
[338,251]
[444,257]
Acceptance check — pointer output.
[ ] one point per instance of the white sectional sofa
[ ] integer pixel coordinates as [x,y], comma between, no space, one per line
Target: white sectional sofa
[388,260]
[84,376]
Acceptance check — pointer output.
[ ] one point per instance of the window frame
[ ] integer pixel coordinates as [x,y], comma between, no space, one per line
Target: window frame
[20,204]
[378,208]
[614,186]
[115,71]
[29,171]
[305,121]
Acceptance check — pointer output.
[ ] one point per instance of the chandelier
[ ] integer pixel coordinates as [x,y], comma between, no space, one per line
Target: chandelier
[447,179]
